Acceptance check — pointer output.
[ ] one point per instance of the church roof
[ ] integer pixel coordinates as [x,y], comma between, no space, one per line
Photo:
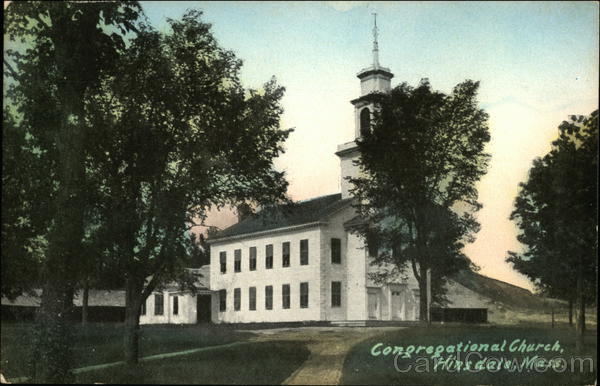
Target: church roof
[282,216]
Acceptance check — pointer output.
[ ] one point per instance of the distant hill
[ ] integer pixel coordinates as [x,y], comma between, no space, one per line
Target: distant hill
[500,292]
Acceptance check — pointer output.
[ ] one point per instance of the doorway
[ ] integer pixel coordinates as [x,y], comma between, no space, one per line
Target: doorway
[203,308]
[373,304]
[399,302]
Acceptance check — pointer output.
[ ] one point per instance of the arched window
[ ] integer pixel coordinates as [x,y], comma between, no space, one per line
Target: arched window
[365,121]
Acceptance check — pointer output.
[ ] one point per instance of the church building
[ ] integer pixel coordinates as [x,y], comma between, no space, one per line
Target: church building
[301,262]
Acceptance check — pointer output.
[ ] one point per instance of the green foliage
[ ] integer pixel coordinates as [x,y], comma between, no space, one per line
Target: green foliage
[65,48]
[419,165]
[25,217]
[174,133]
[137,135]
[556,211]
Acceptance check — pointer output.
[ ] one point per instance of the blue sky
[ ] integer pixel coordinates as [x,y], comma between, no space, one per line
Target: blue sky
[537,63]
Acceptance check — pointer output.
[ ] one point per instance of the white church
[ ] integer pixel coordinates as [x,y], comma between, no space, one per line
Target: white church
[301,262]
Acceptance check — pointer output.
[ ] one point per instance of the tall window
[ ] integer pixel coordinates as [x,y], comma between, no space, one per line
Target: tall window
[269,297]
[269,256]
[222,300]
[252,299]
[304,252]
[237,264]
[159,305]
[285,296]
[336,251]
[252,258]
[336,294]
[303,295]
[285,254]
[175,305]
[143,310]
[223,259]
[365,121]
[372,244]
[237,299]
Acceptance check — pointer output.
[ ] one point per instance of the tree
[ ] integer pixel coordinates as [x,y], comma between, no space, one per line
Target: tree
[24,215]
[556,213]
[419,164]
[175,133]
[66,50]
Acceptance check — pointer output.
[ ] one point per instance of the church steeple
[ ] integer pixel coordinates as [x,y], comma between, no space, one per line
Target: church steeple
[375,46]
[374,79]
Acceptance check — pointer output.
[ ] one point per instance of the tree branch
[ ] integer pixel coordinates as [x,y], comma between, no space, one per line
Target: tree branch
[42,22]
[12,71]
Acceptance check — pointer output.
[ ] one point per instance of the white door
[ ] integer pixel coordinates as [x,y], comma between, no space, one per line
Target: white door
[373,305]
[398,304]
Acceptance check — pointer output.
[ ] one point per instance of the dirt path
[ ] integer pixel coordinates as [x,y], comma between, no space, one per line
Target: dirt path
[328,348]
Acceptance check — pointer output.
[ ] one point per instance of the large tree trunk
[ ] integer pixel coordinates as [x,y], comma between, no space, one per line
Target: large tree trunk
[52,355]
[570,311]
[421,277]
[580,326]
[133,294]
[423,311]
[84,303]
[422,301]
[53,343]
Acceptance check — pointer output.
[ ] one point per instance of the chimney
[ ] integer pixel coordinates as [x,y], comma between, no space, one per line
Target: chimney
[243,211]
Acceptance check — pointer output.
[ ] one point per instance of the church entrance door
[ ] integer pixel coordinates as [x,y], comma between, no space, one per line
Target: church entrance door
[373,304]
[399,300]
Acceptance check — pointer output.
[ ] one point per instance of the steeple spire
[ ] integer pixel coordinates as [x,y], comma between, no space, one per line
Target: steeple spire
[375,78]
[375,45]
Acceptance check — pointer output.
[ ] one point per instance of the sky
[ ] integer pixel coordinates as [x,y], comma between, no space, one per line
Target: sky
[537,63]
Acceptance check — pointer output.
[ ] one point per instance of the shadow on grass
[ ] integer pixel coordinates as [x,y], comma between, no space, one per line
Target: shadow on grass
[253,363]
[361,367]
[103,342]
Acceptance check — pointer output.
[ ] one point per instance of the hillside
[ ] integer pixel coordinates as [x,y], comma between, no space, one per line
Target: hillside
[500,292]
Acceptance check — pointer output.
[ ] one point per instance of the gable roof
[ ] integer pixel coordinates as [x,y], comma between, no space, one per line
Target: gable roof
[287,215]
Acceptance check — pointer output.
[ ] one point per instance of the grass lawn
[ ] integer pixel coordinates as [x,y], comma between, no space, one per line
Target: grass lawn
[253,363]
[361,367]
[102,342]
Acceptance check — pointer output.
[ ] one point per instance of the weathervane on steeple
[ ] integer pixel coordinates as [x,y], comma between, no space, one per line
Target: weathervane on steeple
[375,46]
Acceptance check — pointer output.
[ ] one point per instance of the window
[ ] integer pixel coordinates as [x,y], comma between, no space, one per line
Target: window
[336,251]
[223,258]
[159,304]
[269,256]
[285,296]
[252,258]
[175,305]
[372,244]
[304,252]
[222,300]
[303,295]
[143,310]
[237,299]
[252,300]
[269,297]
[336,294]
[237,264]
[365,121]
[285,254]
